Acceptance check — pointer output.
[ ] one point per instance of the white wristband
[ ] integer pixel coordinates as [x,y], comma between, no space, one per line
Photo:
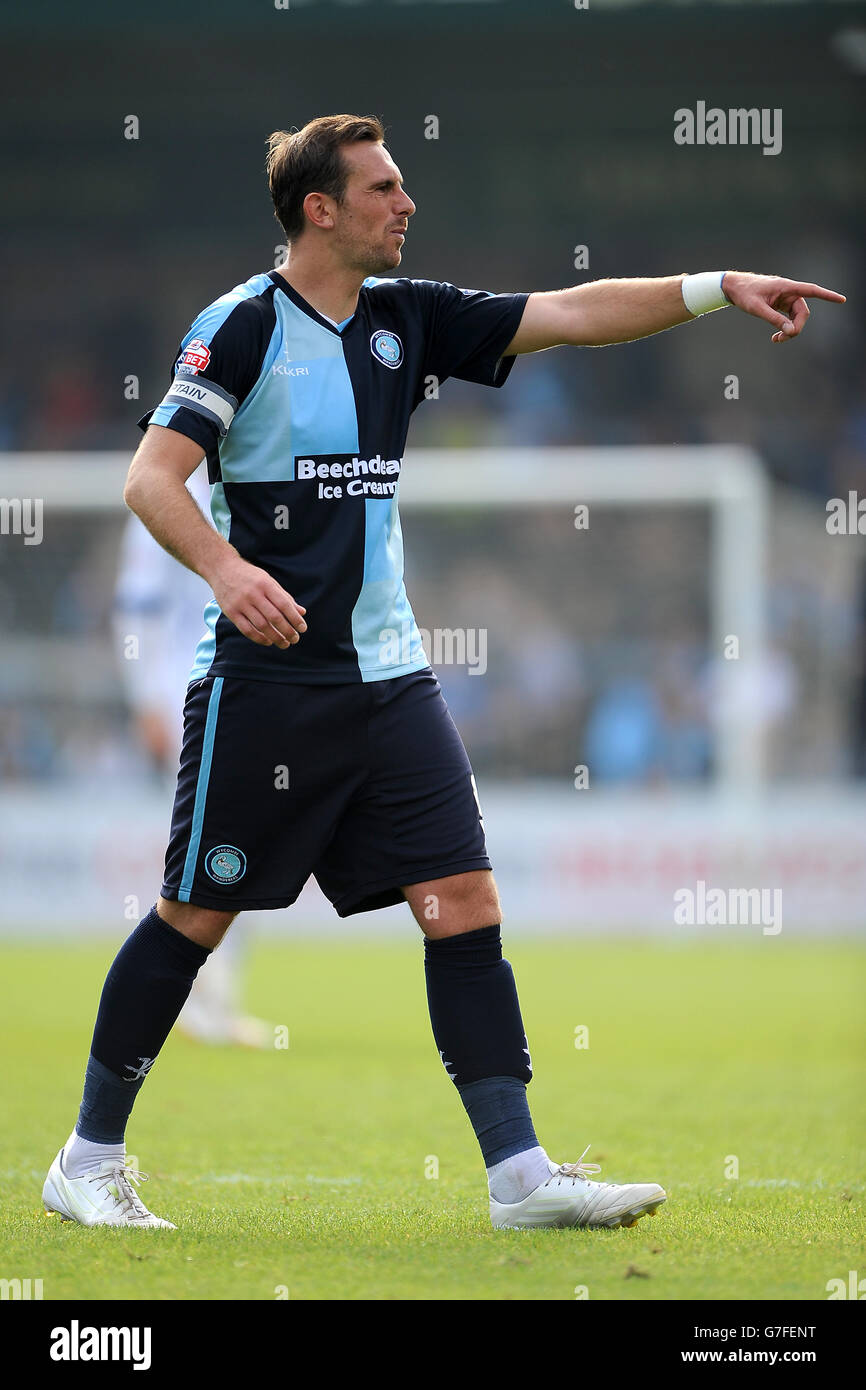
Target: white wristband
[703,293]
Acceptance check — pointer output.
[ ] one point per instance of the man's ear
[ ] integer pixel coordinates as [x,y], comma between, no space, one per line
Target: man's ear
[319,210]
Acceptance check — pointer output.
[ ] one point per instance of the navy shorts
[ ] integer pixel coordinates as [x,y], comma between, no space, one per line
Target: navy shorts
[365,786]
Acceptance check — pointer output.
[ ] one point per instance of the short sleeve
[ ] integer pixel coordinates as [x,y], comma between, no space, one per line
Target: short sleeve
[468,332]
[218,364]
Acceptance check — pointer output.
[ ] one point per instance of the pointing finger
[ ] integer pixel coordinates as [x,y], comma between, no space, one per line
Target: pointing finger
[817,292]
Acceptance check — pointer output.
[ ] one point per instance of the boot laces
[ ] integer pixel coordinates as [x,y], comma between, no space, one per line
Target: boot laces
[127,1199]
[578,1169]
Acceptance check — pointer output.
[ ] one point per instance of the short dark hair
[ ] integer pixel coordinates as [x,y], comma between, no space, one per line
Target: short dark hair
[309,161]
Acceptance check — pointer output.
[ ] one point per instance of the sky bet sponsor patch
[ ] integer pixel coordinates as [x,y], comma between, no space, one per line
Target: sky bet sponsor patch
[194,357]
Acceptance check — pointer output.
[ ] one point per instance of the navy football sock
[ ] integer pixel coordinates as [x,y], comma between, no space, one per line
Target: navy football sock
[499,1112]
[476,1022]
[145,990]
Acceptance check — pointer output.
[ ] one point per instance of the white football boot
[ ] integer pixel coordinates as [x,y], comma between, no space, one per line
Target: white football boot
[570,1198]
[104,1197]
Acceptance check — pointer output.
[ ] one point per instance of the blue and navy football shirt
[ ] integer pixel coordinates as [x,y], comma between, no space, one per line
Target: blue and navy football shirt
[304,425]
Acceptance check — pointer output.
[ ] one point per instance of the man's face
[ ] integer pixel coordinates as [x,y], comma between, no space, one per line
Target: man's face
[372,219]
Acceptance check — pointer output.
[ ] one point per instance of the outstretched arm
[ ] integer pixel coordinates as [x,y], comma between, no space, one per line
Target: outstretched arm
[618,311]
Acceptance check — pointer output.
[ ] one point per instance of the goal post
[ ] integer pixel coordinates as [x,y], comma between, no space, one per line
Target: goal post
[728,479]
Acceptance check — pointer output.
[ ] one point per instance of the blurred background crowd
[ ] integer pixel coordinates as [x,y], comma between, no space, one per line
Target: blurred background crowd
[598,653]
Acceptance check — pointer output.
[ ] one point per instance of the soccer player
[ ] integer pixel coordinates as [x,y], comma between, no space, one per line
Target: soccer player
[312,744]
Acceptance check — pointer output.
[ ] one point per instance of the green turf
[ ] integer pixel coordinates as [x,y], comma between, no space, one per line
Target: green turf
[305,1168]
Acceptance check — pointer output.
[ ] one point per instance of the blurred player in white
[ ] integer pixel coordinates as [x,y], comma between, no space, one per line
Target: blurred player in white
[161,603]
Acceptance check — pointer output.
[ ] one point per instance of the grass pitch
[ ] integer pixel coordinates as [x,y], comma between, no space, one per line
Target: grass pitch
[310,1172]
